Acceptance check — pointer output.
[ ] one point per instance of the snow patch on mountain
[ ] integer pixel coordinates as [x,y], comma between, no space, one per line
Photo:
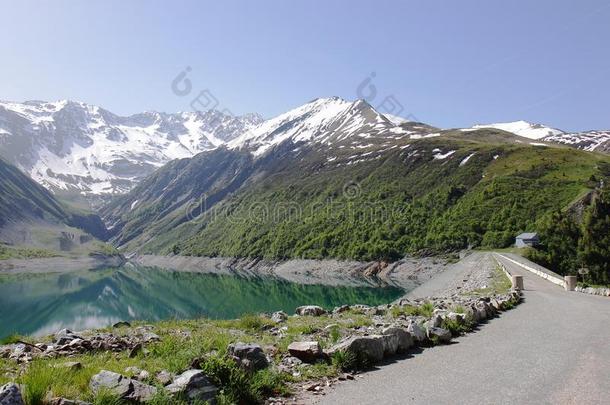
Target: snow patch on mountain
[590,140]
[438,155]
[395,119]
[522,128]
[324,121]
[73,146]
[467,158]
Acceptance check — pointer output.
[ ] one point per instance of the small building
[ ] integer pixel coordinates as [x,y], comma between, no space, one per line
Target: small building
[527,239]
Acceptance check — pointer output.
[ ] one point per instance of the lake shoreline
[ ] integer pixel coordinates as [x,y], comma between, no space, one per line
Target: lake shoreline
[407,273]
[279,357]
[52,264]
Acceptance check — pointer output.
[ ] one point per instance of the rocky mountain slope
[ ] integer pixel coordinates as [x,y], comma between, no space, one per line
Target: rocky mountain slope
[76,148]
[592,141]
[31,216]
[337,179]
[72,147]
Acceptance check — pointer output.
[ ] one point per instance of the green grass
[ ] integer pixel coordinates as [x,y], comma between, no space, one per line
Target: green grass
[426,309]
[458,309]
[499,284]
[592,285]
[186,342]
[456,327]
[9,252]
[38,382]
[13,338]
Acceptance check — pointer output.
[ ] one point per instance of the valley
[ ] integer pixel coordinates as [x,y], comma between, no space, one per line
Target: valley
[331,179]
[165,241]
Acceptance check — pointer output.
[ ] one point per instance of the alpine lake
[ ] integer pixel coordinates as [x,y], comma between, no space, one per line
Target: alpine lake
[43,303]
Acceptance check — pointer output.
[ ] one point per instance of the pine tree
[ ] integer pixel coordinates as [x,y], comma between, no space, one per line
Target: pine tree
[594,246]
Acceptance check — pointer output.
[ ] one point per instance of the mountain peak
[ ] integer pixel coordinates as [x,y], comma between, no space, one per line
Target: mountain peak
[76,147]
[320,120]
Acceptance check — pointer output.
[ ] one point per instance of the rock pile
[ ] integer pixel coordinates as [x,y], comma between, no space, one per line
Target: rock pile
[390,329]
[604,292]
[67,343]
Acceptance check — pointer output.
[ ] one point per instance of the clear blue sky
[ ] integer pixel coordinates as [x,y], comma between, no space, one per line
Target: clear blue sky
[448,63]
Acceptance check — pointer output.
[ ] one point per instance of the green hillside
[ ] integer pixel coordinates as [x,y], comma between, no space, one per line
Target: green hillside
[378,203]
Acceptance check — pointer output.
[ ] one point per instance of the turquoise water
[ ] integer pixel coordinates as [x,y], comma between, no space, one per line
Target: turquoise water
[38,304]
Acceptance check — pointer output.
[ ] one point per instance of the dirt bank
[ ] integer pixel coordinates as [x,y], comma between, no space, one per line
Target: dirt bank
[58,264]
[407,273]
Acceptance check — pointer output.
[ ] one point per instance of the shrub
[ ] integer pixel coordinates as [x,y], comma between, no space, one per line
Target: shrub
[458,309]
[253,322]
[38,382]
[396,311]
[108,398]
[455,327]
[335,334]
[347,360]
[11,339]
[426,309]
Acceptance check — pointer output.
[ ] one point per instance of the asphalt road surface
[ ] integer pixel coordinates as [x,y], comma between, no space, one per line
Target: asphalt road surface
[554,348]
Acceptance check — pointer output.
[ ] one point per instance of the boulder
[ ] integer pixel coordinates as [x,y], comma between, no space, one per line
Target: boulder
[403,339]
[65,336]
[416,331]
[142,392]
[164,377]
[121,324]
[133,352]
[279,317]
[194,385]
[496,304]
[248,356]
[370,347]
[5,351]
[439,334]
[143,375]
[308,352]
[137,373]
[342,308]
[310,310]
[114,382]
[121,386]
[435,322]
[390,345]
[10,395]
[457,317]
[291,361]
[482,311]
[71,365]
[133,370]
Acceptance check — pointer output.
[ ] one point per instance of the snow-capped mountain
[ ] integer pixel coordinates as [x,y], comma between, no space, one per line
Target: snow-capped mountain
[598,141]
[325,121]
[592,141]
[77,147]
[523,128]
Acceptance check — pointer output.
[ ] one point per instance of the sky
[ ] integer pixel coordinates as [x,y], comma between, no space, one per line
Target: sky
[446,63]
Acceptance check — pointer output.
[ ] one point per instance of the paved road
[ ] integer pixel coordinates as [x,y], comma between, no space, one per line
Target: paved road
[552,349]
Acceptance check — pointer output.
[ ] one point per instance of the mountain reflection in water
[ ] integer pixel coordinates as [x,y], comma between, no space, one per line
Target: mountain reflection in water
[39,304]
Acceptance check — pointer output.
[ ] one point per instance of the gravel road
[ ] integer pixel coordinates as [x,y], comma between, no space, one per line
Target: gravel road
[552,349]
